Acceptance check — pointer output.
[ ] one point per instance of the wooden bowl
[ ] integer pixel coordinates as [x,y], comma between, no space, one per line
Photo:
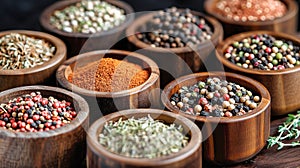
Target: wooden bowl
[62,147]
[287,23]
[175,62]
[40,74]
[145,95]
[188,157]
[283,85]
[228,140]
[79,42]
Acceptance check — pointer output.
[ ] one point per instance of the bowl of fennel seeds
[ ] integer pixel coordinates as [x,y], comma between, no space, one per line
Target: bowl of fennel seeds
[28,58]
[144,138]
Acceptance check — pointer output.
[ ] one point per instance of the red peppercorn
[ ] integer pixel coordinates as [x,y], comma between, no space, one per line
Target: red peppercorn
[48,117]
[55,105]
[15,108]
[280,67]
[226,97]
[47,129]
[52,127]
[33,94]
[203,101]
[36,117]
[217,94]
[251,56]
[14,125]
[25,116]
[29,121]
[268,50]
[45,101]
[22,125]
[256,64]
[47,125]
[57,126]
[22,129]
[62,105]
[2,123]
[207,107]
[30,103]
[73,113]
[59,110]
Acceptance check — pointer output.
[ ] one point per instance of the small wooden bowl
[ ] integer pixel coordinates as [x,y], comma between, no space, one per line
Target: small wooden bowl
[62,147]
[175,62]
[283,85]
[188,157]
[145,95]
[286,24]
[228,140]
[79,42]
[40,74]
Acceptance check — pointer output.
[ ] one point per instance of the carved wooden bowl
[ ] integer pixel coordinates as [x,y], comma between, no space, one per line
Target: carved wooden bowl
[40,74]
[61,147]
[188,157]
[228,140]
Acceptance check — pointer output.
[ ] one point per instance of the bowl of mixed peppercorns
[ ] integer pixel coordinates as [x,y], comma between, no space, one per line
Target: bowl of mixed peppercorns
[272,58]
[84,25]
[144,138]
[29,57]
[180,41]
[233,112]
[42,126]
[248,15]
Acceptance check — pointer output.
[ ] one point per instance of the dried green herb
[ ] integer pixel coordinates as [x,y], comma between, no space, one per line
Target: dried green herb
[142,138]
[18,51]
[290,129]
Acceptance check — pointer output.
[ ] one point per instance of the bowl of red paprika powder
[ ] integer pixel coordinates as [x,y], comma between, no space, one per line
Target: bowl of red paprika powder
[271,58]
[42,126]
[241,16]
[111,80]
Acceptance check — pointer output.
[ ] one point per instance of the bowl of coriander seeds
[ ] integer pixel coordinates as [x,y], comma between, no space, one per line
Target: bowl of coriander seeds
[180,41]
[42,126]
[29,57]
[87,25]
[233,112]
[144,138]
[243,15]
[272,58]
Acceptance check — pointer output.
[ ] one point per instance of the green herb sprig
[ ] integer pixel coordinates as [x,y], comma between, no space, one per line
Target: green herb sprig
[290,129]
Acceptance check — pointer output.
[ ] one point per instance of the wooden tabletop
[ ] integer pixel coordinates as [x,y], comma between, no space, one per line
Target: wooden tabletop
[268,158]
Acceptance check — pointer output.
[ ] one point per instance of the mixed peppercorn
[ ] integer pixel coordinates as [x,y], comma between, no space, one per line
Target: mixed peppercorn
[175,28]
[32,113]
[215,97]
[263,52]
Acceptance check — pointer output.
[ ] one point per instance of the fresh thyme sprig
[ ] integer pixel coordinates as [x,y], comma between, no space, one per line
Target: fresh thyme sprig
[290,129]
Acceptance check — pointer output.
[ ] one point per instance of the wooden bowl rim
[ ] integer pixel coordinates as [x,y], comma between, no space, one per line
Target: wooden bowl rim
[82,115]
[292,10]
[262,107]
[46,14]
[60,54]
[193,145]
[131,31]
[154,74]
[237,37]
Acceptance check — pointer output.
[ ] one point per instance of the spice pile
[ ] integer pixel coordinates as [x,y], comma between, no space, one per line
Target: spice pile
[109,75]
[251,10]
[174,28]
[142,138]
[215,97]
[18,51]
[88,17]
[263,52]
[32,112]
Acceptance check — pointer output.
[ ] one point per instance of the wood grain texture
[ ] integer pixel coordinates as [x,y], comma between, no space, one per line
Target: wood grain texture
[62,147]
[283,85]
[145,95]
[287,24]
[268,158]
[229,140]
[40,74]
[79,42]
[175,62]
[188,157]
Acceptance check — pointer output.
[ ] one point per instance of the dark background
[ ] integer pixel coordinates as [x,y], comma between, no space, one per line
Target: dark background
[24,14]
